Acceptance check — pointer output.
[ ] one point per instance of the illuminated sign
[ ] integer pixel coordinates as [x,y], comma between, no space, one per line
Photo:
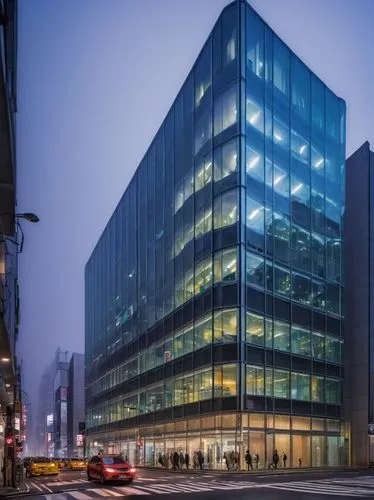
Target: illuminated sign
[17,423]
[49,437]
[79,439]
[50,419]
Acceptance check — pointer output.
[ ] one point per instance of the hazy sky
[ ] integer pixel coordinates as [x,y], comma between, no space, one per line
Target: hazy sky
[95,80]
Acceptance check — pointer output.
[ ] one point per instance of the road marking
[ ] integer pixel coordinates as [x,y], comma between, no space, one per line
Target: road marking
[315,488]
[111,493]
[146,479]
[79,496]
[36,486]
[129,490]
[153,489]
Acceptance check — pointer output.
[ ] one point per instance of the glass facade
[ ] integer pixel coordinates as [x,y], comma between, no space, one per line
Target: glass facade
[214,297]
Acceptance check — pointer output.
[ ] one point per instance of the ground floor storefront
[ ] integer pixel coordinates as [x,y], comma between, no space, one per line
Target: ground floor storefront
[305,441]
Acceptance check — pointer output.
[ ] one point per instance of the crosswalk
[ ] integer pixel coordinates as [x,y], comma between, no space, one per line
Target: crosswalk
[361,486]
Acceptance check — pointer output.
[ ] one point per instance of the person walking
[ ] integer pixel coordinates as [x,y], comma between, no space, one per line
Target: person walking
[275,459]
[284,458]
[200,458]
[248,460]
[187,460]
[181,460]
[175,460]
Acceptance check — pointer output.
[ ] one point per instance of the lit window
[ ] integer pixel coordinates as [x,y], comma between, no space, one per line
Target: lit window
[225,265]
[203,173]
[254,163]
[203,331]
[255,115]
[300,386]
[300,341]
[226,325]
[255,270]
[203,276]
[281,336]
[225,160]
[255,380]
[225,209]
[203,222]
[225,110]
[255,216]
[254,329]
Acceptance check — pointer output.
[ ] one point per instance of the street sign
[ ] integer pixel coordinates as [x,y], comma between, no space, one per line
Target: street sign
[371,429]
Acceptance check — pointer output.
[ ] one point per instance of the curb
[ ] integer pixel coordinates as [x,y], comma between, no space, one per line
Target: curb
[259,472]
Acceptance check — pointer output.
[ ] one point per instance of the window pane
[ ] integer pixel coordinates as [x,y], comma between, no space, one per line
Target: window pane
[226,325]
[255,163]
[225,160]
[301,288]
[255,216]
[333,391]
[229,380]
[300,386]
[281,69]
[281,384]
[318,389]
[332,349]
[255,329]
[203,332]
[282,280]
[203,131]
[300,341]
[203,75]
[281,336]
[255,381]
[225,110]
[206,387]
[255,44]
[203,173]
[225,209]
[203,276]
[318,345]
[255,270]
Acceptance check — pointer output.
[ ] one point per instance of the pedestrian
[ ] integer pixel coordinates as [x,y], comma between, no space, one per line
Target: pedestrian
[248,460]
[257,460]
[200,458]
[195,460]
[175,460]
[275,459]
[284,458]
[181,460]
[187,460]
[300,462]
[160,460]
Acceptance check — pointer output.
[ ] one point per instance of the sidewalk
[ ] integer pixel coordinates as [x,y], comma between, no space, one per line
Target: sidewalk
[9,492]
[258,472]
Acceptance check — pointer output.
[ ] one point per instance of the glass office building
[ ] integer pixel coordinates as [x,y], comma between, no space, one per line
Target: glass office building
[214,295]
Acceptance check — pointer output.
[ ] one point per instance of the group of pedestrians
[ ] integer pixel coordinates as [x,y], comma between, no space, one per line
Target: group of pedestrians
[276,459]
[181,460]
[252,460]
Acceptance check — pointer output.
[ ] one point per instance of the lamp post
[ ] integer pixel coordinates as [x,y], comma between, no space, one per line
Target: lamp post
[30,217]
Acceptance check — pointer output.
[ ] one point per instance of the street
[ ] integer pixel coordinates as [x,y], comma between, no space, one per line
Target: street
[208,485]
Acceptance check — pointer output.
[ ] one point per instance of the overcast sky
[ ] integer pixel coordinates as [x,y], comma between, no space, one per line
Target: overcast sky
[95,80]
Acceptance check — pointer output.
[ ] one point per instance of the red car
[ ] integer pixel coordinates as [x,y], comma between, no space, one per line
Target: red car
[110,468]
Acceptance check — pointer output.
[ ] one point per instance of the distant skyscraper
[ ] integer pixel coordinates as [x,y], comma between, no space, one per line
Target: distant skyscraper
[76,413]
[359,330]
[214,295]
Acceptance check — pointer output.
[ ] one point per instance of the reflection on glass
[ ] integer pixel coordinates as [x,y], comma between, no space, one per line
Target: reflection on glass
[255,270]
[300,386]
[254,329]
[203,331]
[255,163]
[203,276]
[203,131]
[318,345]
[255,115]
[318,389]
[225,265]
[225,110]
[225,160]
[255,216]
[333,391]
[300,341]
[225,209]
[203,173]
[226,325]
[255,380]
[281,336]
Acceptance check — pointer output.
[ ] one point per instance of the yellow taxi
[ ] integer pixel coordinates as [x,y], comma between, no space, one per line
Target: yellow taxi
[41,466]
[76,464]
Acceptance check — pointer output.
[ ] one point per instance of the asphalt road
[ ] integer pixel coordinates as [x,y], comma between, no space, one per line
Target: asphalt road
[208,485]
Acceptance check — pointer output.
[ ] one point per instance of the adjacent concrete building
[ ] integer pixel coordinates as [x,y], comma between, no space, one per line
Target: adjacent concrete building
[359,326]
[76,409]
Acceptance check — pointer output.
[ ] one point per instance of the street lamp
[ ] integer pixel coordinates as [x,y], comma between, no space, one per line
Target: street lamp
[30,217]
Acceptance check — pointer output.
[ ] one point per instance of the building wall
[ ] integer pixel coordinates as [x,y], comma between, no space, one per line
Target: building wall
[359,301]
[229,297]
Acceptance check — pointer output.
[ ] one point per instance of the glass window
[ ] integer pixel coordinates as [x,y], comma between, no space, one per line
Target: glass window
[300,245]
[255,216]
[203,221]
[226,160]
[318,345]
[203,131]
[203,276]
[225,265]
[300,341]
[255,44]
[281,132]
[255,115]
[301,288]
[282,280]
[226,325]
[254,163]
[332,298]
[188,336]
[255,329]
[229,380]
[318,294]
[281,384]
[299,147]
[255,380]
[281,69]
[318,103]
[300,386]
[225,110]
[300,88]
[203,331]
[318,255]
[281,232]
[255,270]
[318,389]
[333,391]
[226,209]
[203,74]
[203,173]
[281,336]
[281,181]
[332,349]
[206,385]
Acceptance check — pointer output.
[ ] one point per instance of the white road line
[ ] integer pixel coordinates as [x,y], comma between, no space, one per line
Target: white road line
[36,486]
[153,489]
[146,479]
[129,490]
[326,487]
[305,489]
[79,496]
[100,492]
[46,487]
[110,493]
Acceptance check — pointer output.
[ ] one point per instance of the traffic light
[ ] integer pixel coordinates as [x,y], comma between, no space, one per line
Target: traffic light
[9,440]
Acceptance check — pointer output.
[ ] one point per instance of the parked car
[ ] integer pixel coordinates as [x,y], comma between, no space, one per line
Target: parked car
[41,466]
[110,468]
[76,464]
